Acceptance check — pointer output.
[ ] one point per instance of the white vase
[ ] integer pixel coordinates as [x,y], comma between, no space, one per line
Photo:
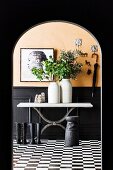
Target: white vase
[66,91]
[53,93]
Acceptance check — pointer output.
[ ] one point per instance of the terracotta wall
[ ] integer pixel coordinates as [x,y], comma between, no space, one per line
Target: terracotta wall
[58,35]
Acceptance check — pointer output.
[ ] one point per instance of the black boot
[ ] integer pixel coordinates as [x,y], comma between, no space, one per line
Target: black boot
[72,131]
[32,133]
[24,130]
[18,132]
[38,127]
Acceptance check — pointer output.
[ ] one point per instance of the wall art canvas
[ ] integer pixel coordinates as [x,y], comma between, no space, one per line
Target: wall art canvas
[33,57]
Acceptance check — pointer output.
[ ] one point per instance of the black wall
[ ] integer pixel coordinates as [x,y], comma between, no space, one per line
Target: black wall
[18,15]
[89,118]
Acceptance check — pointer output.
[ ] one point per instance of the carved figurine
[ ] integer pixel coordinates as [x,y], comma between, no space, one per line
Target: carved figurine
[39,98]
[36,98]
[43,96]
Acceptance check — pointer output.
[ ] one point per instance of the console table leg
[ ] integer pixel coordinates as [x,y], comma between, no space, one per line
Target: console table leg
[52,123]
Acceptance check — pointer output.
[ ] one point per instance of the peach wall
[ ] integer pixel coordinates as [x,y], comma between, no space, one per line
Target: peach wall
[58,35]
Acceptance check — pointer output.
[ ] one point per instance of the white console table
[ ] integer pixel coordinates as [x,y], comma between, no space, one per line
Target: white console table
[69,106]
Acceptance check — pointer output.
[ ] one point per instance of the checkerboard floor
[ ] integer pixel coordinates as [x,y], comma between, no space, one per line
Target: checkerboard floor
[53,155]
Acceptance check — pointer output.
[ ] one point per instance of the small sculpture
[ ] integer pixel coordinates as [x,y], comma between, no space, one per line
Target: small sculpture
[43,96]
[40,98]
[36,98]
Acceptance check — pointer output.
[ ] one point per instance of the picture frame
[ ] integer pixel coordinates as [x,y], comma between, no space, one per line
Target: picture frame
[31,57]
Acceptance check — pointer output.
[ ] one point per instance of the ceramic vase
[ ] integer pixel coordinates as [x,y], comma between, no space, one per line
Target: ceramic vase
[53,92]
[66,91]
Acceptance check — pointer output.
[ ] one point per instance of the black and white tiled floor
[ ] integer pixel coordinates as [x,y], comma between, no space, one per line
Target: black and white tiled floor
[53,155]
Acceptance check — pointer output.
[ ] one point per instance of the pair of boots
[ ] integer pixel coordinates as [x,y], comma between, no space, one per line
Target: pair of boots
[21,132]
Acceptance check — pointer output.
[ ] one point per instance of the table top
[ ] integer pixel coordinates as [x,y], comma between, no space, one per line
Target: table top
[32,104]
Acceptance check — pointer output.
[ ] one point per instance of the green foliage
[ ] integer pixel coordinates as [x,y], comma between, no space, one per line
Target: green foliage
[38,73]
[47,71]
[65,67]
[49,67]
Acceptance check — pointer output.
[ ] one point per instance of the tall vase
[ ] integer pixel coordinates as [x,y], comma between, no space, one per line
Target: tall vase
[66,91]
[53,93]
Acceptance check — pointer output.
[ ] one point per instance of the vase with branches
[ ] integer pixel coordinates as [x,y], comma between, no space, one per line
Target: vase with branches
[65,67]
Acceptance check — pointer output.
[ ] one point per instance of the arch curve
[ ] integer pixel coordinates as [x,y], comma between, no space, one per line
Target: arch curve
[57,34]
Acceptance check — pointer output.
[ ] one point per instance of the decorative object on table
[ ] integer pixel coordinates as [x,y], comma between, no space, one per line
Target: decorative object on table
[48,72]
[53,93]
[43,97]
[94,49]
[18,132]
[67,68]
[38,131]
[36,98]
[40,98]
[50,67]
[78,44]
[72,131]
[31,60]
[66,91]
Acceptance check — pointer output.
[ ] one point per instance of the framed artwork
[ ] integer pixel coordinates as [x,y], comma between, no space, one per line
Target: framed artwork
[33,57]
